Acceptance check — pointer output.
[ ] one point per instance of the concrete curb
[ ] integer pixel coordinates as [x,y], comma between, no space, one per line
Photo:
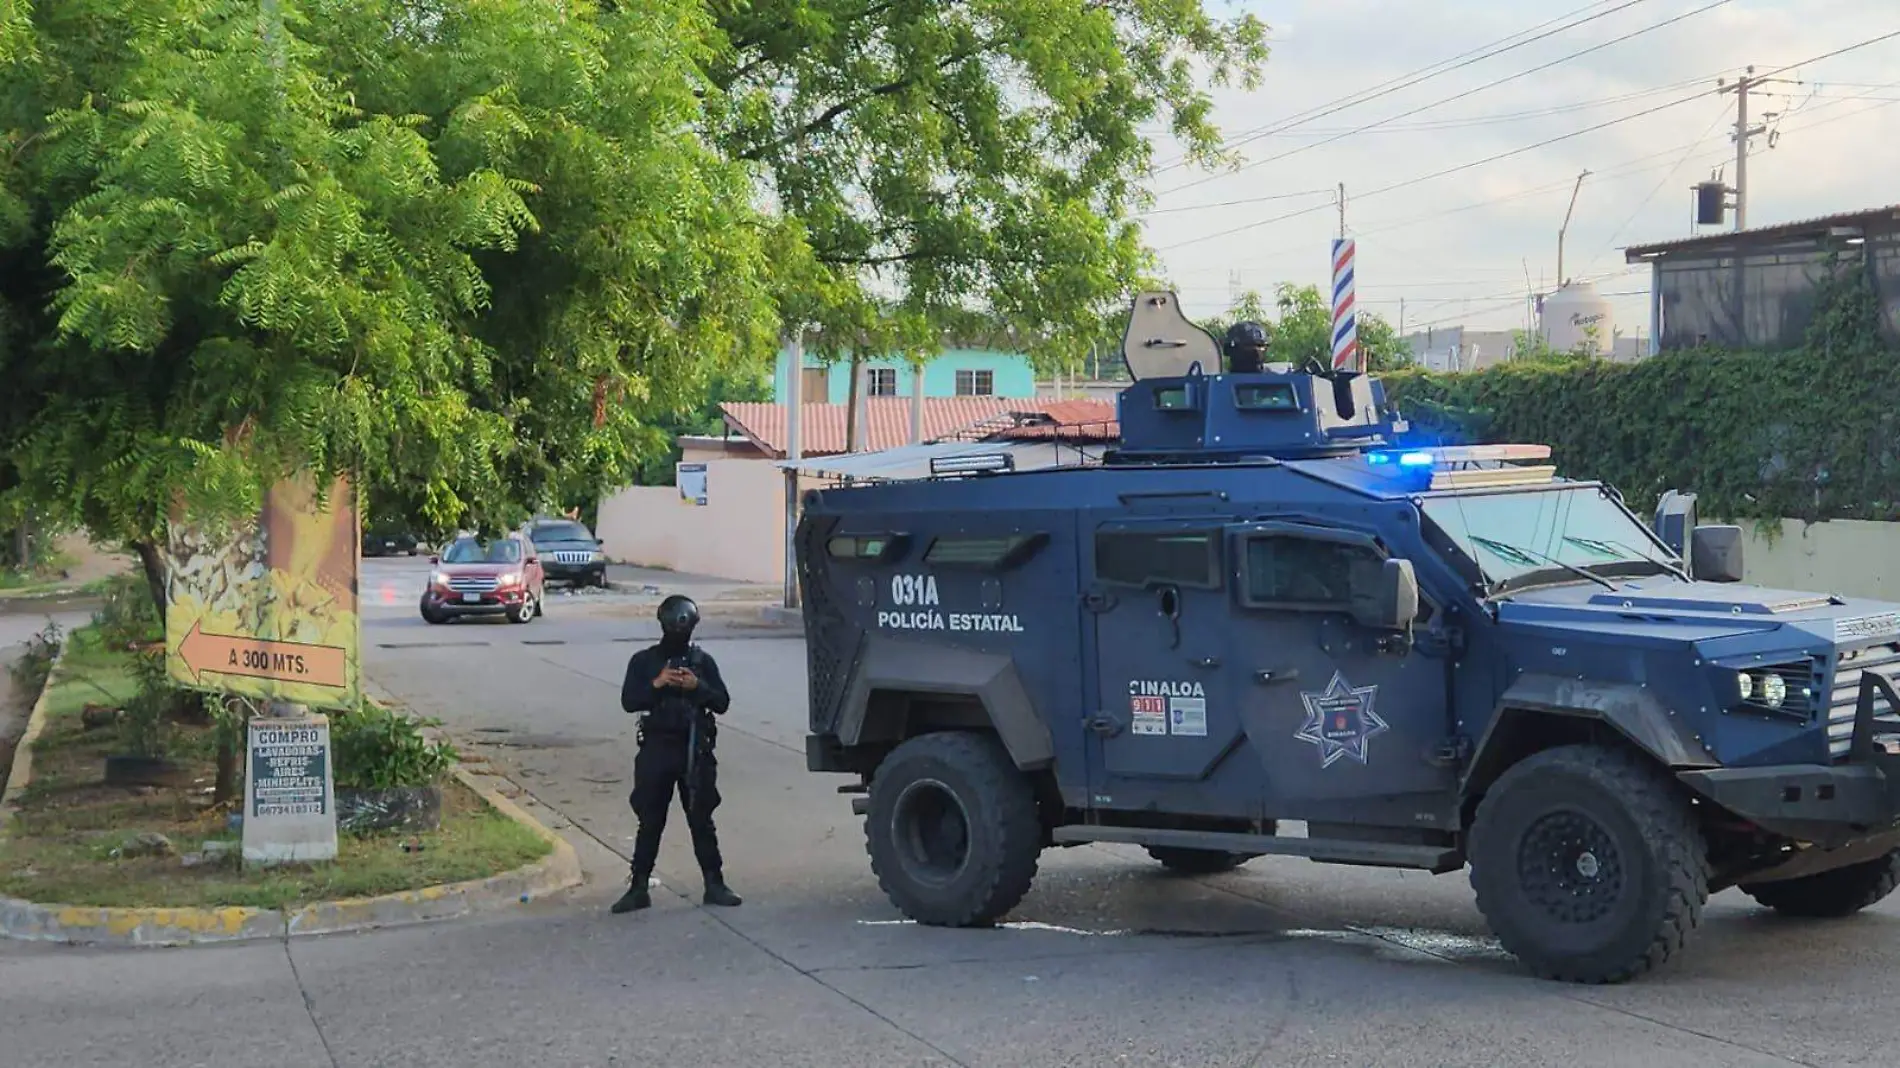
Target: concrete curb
[158,926]
[778,615]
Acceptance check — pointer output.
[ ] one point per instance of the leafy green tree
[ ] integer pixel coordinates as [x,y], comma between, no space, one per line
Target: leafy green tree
[1302,328]
[466,248]
[974,157]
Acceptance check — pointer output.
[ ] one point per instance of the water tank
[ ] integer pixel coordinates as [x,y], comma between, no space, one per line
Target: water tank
[1577,317]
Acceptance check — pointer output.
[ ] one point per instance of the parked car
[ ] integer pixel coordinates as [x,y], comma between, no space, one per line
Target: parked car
[485,578]
[569,551]
[389,542]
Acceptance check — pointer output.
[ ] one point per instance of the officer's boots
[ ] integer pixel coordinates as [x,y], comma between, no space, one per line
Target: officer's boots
[718,893]
[636,896]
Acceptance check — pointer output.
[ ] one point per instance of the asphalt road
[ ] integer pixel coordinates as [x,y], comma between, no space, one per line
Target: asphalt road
[1109,962]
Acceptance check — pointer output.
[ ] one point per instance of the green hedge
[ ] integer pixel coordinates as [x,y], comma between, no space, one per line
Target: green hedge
[1811,434]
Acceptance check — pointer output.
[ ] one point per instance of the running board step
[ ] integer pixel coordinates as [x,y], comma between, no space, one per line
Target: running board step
[1435,859]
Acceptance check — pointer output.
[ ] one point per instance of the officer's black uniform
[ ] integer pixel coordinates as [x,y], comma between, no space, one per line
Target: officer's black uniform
[676,750]
[1246,344]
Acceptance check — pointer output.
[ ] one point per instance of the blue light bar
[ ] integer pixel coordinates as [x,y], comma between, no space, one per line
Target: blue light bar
[1415,458]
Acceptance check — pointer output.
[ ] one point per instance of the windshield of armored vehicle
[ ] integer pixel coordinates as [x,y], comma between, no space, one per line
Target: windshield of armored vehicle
[1511,535]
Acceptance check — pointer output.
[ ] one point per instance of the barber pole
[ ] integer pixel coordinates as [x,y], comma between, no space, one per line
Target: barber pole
[1345,321]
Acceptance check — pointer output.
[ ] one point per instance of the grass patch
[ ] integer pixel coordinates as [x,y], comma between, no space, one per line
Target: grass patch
[69,840]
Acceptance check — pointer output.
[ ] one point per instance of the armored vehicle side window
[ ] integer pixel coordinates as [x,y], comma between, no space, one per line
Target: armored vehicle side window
[1267,396]
[1306,572]
[983,552]
[1149,558]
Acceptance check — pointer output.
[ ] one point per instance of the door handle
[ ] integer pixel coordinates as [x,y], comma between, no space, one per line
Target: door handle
[1268,678]
[1105,725]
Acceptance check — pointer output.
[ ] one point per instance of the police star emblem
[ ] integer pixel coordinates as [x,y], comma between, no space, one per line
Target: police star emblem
[1340,721]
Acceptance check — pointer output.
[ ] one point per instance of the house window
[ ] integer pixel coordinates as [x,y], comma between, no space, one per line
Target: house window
[976,383]
[880,382]
[815,385]
[1151,558]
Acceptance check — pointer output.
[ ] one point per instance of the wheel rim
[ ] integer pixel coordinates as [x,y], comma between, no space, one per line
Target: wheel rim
[932,831]
[1569,867]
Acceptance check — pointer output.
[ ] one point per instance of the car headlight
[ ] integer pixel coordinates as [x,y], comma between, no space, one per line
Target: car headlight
[1772,689]
[1744,685]
[438,578]
[597,556]
[510,579]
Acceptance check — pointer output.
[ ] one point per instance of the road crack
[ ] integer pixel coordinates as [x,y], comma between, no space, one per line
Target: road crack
[309,1004]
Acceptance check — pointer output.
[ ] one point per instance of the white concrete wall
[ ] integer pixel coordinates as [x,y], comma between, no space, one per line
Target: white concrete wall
[1846,556]
[738,534]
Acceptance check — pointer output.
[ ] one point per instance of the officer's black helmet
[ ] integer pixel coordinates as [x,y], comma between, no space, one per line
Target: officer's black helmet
[678,615]
[1247,335]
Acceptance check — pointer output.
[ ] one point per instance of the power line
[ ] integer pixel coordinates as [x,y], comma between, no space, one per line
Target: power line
[1422,74]
[1247,200]
[1466,93]
[1519,151]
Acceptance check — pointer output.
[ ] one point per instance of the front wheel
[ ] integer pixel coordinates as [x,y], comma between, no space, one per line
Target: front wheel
[432,615]
[953,830]
[1588,864]
[1830,895]
[523,612]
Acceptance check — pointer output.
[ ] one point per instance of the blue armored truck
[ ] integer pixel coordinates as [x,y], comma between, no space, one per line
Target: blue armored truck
[1264,606]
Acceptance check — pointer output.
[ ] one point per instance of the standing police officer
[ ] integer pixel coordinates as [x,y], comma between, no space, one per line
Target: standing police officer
[676,689]
[1246,347]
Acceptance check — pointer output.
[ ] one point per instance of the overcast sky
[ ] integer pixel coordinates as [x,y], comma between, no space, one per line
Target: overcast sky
[1838,147]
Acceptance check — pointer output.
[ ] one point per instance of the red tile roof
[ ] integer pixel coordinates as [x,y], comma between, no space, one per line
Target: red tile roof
[886,423]
[1066,420]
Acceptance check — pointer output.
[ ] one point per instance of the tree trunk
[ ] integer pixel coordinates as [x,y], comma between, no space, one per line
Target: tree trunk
[229,786]
[153,563]
[851,408]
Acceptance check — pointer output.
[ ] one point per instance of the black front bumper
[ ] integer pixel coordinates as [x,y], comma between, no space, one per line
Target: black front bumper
[589,574]
[1827,804]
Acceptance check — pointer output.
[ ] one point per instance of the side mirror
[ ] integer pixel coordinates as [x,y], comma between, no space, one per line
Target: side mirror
[1390,600]
[435,559]
[1716,553]
[534,559]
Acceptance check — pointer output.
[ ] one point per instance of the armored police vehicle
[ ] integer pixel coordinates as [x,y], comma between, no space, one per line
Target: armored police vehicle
[1265,607]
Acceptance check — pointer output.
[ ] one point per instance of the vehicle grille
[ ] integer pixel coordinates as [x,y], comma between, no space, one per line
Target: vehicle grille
[1845,691]
[567,556]
[475,584]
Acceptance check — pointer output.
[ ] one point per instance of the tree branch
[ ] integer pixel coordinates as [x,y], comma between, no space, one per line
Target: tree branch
[831,114]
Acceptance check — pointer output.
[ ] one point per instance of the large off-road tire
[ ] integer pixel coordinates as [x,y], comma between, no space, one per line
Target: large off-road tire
[952,829]
[1830,895]
[1197,861]
[1588,864]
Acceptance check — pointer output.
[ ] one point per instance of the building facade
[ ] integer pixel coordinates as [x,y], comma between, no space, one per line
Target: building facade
[957,372]
[1758,289]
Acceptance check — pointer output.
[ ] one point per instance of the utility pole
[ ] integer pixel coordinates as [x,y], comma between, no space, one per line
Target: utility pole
[1342,211]
[1565,228]
[1744,133]
[794,415]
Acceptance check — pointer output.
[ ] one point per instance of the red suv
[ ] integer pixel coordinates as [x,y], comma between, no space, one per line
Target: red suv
[476,578]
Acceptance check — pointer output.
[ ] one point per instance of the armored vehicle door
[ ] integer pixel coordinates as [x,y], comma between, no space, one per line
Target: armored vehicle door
[1336,710]
[1161,719]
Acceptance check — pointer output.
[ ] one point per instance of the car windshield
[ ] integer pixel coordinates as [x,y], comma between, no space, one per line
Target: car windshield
[1511,535]
[470,551]
[552,532]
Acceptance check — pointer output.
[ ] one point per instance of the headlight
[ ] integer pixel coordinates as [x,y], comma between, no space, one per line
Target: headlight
[598,555]
[1744,685]
[512,578]
[1772,689]
[438,578]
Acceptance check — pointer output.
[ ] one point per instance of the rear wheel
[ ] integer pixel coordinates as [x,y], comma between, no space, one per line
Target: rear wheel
[1588,864]
[1198,861]
[953,831]
[1831,894]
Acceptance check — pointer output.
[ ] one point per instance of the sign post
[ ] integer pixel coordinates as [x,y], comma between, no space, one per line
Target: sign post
[266,609]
